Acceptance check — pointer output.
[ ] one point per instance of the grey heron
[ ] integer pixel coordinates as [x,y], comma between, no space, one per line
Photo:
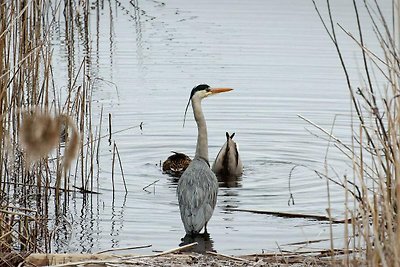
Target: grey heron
[228,163]
[198,186]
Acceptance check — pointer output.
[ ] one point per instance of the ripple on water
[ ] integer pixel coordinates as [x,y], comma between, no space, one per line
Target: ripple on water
[278,70]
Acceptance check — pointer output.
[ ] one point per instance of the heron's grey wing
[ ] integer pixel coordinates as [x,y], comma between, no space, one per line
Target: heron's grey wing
[211,187]
[197,195]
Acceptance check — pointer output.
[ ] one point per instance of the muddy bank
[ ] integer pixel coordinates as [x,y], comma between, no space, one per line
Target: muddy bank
[176,259]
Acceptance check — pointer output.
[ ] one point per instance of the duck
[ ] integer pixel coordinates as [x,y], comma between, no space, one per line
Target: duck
[176,164]
[227,162]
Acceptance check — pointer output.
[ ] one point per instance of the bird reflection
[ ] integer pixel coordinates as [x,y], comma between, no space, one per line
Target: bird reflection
[204,241]
[229,200]
[229,181]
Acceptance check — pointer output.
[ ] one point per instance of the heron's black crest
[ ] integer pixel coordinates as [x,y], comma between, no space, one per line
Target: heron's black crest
[199,87]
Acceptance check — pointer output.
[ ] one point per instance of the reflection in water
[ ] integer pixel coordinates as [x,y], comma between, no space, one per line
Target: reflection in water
[111,38]
[184,44]
[97,8]
[66,228]
[204,241]
[229,199]
[229,181]
[86,226]
[62,234]
[117,218]
[139,35]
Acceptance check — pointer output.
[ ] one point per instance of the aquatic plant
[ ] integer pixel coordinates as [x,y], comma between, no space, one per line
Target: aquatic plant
[41,135]
[373,236]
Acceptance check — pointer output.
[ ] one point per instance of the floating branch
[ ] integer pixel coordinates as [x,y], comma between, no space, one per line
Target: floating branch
[292,215]
[84,191]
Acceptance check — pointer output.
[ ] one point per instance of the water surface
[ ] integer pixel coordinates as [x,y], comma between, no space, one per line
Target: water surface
[281,63]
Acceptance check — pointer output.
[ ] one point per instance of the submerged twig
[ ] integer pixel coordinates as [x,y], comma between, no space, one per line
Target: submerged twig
[144,188]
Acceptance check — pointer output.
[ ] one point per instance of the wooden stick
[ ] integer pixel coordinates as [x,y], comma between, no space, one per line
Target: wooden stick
[119,249]
[172,250]
[226,256]
[109,128]
[306,242]
[112,169]
[127,260]
[121,168]
[98,140]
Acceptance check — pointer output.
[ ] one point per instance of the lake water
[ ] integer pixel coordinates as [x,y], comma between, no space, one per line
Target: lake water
[280,62]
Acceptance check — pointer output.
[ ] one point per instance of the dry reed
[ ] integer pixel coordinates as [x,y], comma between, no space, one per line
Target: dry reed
[41,135]
[374,232]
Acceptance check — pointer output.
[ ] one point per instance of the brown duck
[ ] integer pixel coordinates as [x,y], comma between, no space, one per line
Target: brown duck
[176,164]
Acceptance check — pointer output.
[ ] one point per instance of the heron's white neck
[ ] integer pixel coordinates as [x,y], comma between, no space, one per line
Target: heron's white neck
[202,141]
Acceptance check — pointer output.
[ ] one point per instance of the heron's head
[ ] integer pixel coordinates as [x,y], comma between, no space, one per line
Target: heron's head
[202,91]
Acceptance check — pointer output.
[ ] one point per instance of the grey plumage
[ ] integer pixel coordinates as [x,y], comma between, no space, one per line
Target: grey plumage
[198,186]
[228,163]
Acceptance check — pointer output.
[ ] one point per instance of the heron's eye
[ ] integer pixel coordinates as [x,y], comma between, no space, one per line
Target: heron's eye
[208,90]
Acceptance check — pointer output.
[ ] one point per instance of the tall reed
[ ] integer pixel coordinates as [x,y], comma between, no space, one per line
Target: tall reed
[374,234]
[41,133]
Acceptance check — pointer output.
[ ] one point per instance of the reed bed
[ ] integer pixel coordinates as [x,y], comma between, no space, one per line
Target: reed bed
[47,144]
[372,233]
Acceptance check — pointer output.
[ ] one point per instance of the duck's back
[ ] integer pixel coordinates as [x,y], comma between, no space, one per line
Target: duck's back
[227,162]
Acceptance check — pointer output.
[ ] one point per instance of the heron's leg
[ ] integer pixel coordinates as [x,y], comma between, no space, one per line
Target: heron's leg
[205,228]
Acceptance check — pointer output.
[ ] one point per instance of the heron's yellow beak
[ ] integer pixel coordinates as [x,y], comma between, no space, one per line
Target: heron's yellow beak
[219,90]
